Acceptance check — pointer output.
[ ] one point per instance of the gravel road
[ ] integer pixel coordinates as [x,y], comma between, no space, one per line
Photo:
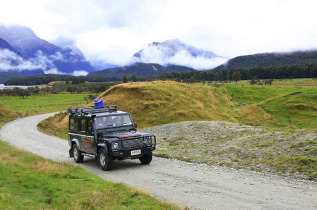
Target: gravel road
[196,186]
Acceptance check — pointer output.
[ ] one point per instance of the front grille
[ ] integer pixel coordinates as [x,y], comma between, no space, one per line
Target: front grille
[133,143]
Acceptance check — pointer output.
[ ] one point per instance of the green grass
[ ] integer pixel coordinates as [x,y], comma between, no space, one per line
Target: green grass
[285,105]
[42,103]
[28,181]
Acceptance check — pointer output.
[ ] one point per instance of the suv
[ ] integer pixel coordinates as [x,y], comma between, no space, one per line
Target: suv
[107,134]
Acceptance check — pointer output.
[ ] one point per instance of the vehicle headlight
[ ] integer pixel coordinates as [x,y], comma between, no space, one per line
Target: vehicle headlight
[116,145]
[148,140]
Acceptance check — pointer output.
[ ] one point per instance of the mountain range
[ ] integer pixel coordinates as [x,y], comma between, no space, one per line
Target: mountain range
[21,50]
[23,53]
[140,70]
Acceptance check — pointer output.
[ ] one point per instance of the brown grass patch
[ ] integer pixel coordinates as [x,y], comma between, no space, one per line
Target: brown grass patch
[8,157]
[45,167]
[254,115]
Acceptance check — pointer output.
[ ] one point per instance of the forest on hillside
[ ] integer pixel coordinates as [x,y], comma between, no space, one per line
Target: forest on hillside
[47,78]
[275,72]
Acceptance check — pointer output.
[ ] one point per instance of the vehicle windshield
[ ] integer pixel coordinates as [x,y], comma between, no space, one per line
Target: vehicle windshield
[113,121]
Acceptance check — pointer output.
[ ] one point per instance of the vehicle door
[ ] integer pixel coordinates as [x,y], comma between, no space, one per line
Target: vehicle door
[87,137]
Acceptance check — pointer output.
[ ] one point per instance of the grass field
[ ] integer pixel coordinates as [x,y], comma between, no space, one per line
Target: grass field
[28,181]
[276,106]
[42,103]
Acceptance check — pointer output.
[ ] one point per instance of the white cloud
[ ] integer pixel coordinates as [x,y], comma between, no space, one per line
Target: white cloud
[113,31]
[11,61]
[53,71]
[201,63]
[153,54]
[80,73]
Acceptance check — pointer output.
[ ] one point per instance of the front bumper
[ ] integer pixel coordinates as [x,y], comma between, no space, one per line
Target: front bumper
[124,154]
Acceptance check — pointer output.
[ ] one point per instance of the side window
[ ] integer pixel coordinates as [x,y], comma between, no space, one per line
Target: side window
[73,124]
[83,125]
[126,120]
[89,126]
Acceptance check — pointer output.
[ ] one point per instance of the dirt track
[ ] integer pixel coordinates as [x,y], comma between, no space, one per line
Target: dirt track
[186,184]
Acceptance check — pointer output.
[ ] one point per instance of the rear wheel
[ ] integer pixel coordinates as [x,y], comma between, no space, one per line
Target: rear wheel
[78,157]
[146,159]
[105,162]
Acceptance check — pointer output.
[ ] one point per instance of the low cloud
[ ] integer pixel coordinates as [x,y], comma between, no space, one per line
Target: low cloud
[153,54]
[80,73]
[53,71]
[11,61]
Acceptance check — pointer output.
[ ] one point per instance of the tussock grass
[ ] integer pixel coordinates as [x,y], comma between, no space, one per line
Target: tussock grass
[28,181]
[56,125]
[6,115]
[156,103]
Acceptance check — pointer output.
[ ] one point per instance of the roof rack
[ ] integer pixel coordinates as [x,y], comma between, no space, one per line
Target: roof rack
[92,110]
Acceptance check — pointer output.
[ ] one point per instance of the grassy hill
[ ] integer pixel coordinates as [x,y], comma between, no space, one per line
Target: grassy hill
[156,103]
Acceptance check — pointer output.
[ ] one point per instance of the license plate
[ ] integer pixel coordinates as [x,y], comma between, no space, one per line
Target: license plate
[136,152]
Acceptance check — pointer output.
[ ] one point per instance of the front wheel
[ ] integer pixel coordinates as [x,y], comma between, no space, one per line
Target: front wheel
[146,159]
[78,157]
[104,161]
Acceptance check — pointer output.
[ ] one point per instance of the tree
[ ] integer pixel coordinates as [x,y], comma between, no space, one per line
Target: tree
[133,78]
[125,79]
[236,76]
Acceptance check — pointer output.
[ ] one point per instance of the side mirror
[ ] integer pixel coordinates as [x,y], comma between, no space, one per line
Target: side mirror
[135,124]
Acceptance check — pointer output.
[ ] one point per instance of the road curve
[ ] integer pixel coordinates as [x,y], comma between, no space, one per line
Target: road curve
[186,184]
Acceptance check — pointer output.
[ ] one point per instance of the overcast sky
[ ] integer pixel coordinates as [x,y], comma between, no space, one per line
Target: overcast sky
[114,30]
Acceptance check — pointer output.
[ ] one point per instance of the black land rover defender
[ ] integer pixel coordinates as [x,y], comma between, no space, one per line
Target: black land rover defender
[107,134]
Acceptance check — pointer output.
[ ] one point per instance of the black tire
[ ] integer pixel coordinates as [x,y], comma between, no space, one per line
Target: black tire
[104,160]
[78,157]
[146,159]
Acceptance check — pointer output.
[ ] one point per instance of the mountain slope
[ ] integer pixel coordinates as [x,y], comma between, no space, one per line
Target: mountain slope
[174,52]
[271,59]
[39,51]
[5,45]
[141,70]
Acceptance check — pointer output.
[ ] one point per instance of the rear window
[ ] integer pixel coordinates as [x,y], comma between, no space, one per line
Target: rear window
[73,124]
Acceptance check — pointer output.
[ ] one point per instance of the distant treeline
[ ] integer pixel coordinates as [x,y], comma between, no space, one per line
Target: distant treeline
[276,72]
[47,78]
[59,87]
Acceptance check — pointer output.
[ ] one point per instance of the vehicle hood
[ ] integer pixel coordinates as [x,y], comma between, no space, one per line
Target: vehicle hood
[130,134]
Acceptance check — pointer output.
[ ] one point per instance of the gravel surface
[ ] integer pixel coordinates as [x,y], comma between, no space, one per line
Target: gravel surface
[196,186]
[239,146]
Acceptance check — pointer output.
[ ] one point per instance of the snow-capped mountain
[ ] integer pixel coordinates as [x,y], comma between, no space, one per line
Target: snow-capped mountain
[174,52]
[41,53]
